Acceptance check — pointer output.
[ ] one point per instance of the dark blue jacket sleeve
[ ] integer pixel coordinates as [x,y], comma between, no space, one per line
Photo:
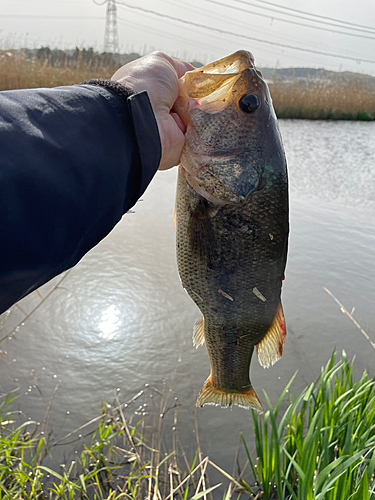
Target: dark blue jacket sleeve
[73,160]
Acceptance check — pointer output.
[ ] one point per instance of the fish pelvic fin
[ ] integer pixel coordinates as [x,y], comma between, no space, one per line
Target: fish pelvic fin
[270,348]
[198,333]
[210,395]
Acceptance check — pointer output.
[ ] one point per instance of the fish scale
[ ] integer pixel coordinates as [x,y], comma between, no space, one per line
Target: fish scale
[232,224]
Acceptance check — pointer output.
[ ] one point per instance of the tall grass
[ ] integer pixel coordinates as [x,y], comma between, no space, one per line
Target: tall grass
[323,99]
[315,98]
[322,447]
[119,461]
[22,70]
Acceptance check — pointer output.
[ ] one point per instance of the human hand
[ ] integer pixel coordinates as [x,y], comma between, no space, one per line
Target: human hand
[158,74]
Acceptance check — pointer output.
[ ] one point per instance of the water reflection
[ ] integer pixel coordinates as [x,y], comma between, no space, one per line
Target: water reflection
[124,320]
[110,323]
[331,161]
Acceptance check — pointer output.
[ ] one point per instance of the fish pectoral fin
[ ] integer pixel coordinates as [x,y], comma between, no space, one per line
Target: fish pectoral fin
[270,348]
[210,395]
[200,232]
[198,333]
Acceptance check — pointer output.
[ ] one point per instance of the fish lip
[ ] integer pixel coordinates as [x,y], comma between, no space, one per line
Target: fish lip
[239,56]
[203,166]
[199,188]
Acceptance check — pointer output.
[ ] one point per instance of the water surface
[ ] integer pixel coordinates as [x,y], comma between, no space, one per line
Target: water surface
[120,319]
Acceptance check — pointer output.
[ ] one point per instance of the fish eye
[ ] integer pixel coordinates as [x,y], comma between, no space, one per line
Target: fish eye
[248,103]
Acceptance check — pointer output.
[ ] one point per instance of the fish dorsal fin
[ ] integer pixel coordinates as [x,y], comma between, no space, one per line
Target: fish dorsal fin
[210,395]
[198,333]
[270,348]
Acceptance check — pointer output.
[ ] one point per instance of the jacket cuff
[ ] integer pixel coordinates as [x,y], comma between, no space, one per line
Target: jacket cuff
[147,134]
[115,87]
[144,125]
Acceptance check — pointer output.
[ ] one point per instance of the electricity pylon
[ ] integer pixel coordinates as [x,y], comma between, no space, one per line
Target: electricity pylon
[111,32]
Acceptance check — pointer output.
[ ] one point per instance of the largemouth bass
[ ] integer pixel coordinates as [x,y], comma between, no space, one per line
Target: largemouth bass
[232,222]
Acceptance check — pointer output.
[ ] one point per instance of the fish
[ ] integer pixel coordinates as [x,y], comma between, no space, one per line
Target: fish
[232,224]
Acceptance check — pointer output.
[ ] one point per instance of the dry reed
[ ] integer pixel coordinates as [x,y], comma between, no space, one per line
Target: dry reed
[21,71]
[324,99]
[313,98]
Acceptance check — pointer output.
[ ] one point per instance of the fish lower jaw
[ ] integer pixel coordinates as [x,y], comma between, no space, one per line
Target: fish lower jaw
[211,395]
[219,196]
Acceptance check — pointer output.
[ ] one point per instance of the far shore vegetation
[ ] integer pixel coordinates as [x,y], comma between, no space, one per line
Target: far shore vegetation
[300,93]
[316,445]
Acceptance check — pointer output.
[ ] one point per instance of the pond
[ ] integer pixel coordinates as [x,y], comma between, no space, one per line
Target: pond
[120,319]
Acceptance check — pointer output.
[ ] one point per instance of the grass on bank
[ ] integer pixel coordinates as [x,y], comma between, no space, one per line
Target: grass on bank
[22,70]
[321,446]
[313,99]
[322,99]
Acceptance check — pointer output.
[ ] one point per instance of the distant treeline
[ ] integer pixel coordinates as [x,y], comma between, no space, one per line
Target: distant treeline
[73,58]
[296,92]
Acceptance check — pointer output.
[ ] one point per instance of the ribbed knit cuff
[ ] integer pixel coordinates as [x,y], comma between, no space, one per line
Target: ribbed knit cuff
[115,87]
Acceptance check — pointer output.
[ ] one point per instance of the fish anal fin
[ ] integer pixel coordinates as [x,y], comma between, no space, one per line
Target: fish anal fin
[210,395]
[198,333]
[270,348]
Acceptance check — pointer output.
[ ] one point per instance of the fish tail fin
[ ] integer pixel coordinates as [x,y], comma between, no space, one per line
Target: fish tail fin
[198,333]
[210,395]
[270,348]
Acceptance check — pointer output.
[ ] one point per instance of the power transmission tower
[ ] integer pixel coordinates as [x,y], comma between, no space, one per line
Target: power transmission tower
[111,32]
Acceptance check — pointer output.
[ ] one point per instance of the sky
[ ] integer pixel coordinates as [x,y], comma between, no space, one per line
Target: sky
[211,29]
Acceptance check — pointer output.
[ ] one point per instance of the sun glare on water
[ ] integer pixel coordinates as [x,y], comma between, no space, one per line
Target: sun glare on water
[110,323]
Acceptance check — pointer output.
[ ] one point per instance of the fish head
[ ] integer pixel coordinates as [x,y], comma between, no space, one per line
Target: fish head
[227,110]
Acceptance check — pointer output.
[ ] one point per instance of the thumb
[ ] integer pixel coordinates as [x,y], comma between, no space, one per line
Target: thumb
[181,67]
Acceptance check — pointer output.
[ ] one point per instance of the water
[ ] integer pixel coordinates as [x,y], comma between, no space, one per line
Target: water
[120,319]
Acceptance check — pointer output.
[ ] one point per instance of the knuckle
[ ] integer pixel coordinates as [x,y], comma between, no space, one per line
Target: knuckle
[158,53]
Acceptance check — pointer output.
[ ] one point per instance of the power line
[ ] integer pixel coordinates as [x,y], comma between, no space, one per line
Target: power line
[227,40]
[42,16]
[245,37]
[268,16]
[313,15]
[370,30]
[304,57]
[255,31]
[147,29]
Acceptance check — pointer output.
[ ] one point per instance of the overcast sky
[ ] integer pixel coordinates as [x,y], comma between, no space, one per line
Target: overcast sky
[70,23]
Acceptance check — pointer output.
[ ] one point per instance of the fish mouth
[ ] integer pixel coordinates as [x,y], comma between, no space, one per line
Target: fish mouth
[234,63]
[210,87]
